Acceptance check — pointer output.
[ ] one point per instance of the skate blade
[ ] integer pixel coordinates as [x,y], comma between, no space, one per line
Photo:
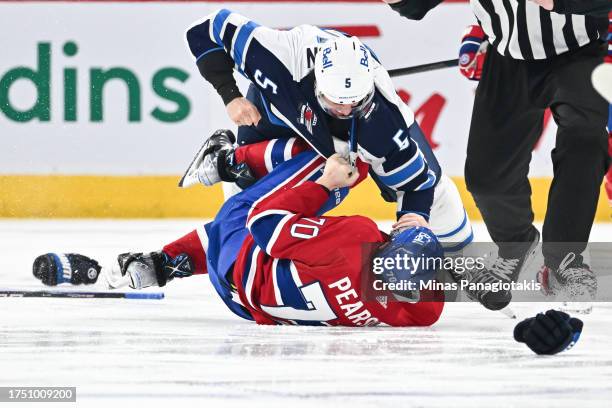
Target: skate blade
[507,311]
[190,177]
[577,307]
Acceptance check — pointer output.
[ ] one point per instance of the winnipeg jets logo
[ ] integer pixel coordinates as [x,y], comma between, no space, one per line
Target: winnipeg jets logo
[307,117]
[422,238]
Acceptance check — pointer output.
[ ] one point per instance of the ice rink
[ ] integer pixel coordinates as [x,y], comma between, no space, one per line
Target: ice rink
[188,349]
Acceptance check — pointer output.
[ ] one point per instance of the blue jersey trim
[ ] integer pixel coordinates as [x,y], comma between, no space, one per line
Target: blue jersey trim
[431,181]
[278,152]
[287,287]
[241,39]
[404,174]
[218,25]
[460,245]
[271,117]
[209,51]
[456,230]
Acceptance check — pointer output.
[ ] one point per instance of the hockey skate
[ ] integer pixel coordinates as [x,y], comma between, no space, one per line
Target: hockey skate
[139,271]
[573,281]
[215,162]
[499,269]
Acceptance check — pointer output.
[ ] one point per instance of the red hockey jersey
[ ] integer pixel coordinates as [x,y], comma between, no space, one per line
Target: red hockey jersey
[297,268]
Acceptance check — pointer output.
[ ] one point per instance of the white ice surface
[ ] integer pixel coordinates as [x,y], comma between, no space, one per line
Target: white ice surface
[188,349]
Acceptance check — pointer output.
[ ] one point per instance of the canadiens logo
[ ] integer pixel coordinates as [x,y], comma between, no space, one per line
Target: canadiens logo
[307,117]
[464,59]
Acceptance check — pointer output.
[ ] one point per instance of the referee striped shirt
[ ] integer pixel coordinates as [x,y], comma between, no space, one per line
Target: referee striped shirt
[521,29]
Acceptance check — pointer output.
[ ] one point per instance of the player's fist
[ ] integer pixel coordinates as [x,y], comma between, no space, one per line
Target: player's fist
[472,52]
[549,333]
[409,220]
[242,112]
[338,173]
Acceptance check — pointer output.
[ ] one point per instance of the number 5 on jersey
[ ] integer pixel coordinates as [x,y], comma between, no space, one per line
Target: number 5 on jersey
[265,82]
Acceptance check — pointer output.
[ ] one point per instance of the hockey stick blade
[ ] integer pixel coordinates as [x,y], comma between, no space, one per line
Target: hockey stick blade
[80,295]
[424,68]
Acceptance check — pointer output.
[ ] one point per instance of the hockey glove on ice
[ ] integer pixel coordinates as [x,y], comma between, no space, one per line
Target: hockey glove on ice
[53,269]
[549,333]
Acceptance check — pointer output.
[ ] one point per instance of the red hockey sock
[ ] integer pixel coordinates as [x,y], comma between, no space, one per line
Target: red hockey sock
[191,245]
[264,156]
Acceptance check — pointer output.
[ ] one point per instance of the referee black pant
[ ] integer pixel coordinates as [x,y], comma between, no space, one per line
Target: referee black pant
[506,122]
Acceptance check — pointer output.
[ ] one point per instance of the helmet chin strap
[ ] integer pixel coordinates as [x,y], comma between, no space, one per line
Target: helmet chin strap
[353,146]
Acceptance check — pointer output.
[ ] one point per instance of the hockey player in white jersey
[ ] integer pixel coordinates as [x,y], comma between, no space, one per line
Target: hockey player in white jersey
[317,83]
[325,87]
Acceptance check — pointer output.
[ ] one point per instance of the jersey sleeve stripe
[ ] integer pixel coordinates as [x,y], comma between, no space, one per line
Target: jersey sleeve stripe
[266,213]
[276,232]
[295,275]
[217,25]
[429,183]
[277,293]
[290,293]
[456,230]
[278,152]
[405,175]
[203,236]
[288,148]
[268,155]
[249,276]
[240,46]
[315,163]
[458,246]
[397,169]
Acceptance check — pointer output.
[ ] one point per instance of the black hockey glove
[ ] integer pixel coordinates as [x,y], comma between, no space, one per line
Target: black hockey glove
[53,269]
[549,333]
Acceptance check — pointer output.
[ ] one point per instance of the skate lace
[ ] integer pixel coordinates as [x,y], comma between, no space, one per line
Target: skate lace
[575,274]
[505,267]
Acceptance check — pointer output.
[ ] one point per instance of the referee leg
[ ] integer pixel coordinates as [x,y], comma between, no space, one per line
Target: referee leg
[580,157]
[504,129]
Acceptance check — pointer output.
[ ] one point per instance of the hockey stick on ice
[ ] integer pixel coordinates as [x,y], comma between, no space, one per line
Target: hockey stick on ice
[423,68]
[80,295]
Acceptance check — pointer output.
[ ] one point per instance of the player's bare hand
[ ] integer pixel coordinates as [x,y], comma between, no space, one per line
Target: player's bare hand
[409,220]
[545,4]
[338,173]
[242,112]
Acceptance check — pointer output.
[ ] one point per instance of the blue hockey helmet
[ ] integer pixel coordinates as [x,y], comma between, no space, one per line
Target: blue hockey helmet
[414,255]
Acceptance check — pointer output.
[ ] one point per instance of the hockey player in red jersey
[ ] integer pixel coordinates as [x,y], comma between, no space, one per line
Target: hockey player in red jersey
[273,258]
